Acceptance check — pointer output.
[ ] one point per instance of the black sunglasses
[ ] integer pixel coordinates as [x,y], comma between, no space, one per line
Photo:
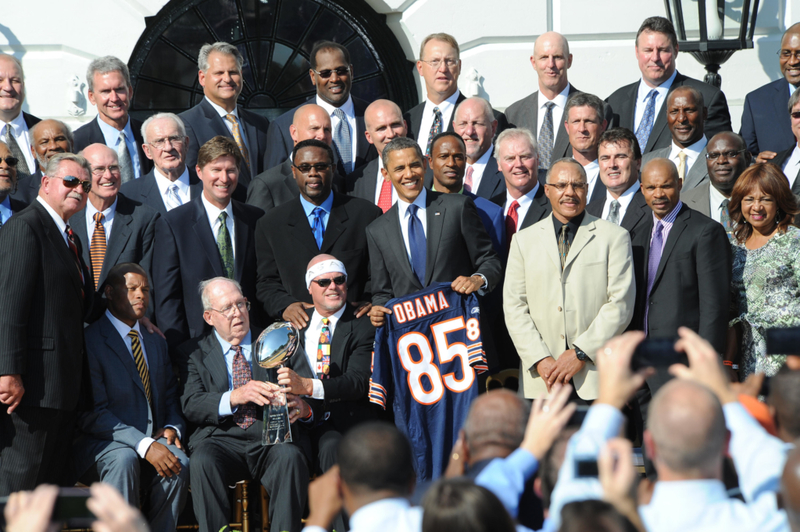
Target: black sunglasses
[319,167]
[10,161]
[795,114]
[70,181]
[325,283]
[325,74]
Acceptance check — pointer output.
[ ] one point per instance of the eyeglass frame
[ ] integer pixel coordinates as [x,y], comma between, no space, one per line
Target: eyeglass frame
[70,184]
[436,63]
[562,187]
[328,72]
[100,170]
[327,282]
[229,309]
[727,154]
[314,166]
[173,140]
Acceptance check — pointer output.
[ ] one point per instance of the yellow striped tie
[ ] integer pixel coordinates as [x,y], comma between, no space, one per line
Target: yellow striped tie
[97,248]
[237,136]
[141,365]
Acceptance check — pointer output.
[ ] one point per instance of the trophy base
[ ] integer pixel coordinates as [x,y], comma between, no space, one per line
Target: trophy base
[277,428]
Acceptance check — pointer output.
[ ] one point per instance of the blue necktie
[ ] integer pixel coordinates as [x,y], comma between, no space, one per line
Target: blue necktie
[318,227]
[646,125]
[652,266]
[416,243]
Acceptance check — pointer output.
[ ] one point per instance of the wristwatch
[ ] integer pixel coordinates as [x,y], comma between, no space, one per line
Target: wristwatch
[580,354]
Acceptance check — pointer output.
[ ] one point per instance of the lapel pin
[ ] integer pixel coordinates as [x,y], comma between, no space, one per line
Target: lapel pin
[437,213]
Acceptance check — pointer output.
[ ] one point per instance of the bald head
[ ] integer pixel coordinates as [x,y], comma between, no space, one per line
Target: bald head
[495,425]
[790,488]
[96,151]
[551,60]
[319,258]
[686,433]
[384,121]
[311,122]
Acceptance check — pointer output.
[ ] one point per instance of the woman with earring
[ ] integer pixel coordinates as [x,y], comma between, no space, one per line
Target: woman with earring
[765,288]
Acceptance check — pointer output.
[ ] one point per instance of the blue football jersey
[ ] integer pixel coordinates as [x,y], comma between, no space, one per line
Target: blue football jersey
[424,362]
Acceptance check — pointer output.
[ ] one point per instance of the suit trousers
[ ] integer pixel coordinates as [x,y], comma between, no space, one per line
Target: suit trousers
[232,454]
[35,448]
[325,440]
[165,497]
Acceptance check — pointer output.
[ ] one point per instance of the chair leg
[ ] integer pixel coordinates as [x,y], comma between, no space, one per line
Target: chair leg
[264,510]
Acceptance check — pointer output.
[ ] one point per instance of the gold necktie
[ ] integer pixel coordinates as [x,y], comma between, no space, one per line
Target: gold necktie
[141,365]
[682,164]
[563,244]
[237,136]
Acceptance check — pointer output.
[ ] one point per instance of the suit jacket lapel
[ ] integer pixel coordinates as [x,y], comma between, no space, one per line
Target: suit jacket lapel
[207,239]
[337,224]
[151,349]
[214,361]
[62,250]
[796,185]
[120,233]
[339,340]
[78,224]
[394,234]
[536,211]
[435,214]
[534,112]
[697,172]
[300,228]
[215,122]
[117,345]
[634,212]
[782,96]
[251,133]
[677,228]
[550,242]
[243,240]
[584,235]
[561,142]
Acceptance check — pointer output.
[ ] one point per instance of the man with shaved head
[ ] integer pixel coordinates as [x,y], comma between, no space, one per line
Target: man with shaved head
[384,121]
[47,138]
[474,121]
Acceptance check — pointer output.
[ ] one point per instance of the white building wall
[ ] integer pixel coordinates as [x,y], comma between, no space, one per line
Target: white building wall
[56,40]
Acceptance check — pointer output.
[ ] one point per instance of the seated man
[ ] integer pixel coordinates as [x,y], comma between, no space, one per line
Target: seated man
[131,437]
[224,401]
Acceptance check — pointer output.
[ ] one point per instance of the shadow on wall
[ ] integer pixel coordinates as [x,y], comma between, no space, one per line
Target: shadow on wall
[770,16]
[18,51]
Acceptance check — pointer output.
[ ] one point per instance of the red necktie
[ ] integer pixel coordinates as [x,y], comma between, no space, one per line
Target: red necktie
[511,222]
[385,199]
[245,415]
[468,179]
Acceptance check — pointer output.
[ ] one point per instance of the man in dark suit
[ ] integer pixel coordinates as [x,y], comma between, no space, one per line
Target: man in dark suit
[727,158]
[112,228]
[224,395]
[46,290]
[384,121]
[332,74]
[277,185]
[317,221]
[450,246]
[16,124]
[474,121]
[8,183]
[641,107]
[48,137]
[765,120]
[217,113]
[584,123]
[211,236]
[171,182]
[111,92]
[131,437]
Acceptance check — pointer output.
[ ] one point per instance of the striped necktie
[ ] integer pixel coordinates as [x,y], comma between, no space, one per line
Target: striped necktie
[237,136]
[141,365]
[97,248]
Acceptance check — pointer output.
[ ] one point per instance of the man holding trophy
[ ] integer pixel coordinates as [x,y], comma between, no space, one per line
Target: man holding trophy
[225,395]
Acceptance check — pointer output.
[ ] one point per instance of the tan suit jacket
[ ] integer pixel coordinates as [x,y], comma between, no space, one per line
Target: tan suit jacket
[588,303]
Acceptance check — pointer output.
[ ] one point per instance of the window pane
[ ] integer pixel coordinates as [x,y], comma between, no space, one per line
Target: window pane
[189,33]
[295,17]
[164,62]
[223,17]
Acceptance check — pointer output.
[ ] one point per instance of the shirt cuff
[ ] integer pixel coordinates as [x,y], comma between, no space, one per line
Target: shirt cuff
[176,429]
[313,528]
[143,446]
[225,405]
[485,286]
[318,391]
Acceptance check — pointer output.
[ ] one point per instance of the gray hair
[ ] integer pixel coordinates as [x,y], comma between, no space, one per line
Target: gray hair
[203,288]
[55,162]
[568,160]
[397,144]
[221,47]
[104,65]
[793,99]
[64,127]
[515,133]
[584,99]
[488,112]
[158,116]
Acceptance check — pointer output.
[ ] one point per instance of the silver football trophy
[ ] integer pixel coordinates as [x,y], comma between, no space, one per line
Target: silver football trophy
[275,346]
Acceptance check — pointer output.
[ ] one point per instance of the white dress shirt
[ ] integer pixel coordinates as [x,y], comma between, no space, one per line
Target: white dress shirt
[692,153]
[478,169]
[19,130]
[446,107]
[715,199]
[163,183]
[108,220]
[524,204]
[62,225]
[385,515]
[222,112]
[558,111]
[350,114]
[641,99]
[624,200]
[311,342]
[592,174]
[792,166]
[213,219]
[403,213]
[111,137]
[379,183]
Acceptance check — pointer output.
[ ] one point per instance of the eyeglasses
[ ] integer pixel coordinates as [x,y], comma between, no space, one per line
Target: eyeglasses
[101,170]
[713,156]
[228,311]
[319,167]
[325,283]
[70,181]
[10,161]
[175,140]
[789,54]
[795,115]
[561,187]
[436,63]
[325,74]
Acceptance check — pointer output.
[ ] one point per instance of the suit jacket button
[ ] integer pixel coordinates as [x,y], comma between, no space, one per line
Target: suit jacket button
[562,336]
[559,309]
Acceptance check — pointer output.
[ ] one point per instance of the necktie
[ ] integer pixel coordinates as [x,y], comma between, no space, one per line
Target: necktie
[324,351]
[173,198]
[245,415]
[652,265]
[13,147]
[341,139]
[141,365]
[468,179]
[724,216]
[613,212]
[385,199]
[318,227]
[511,222]
[224,244]
[125,163]
[416,243]
[682,164]
[546,137]
[646,124]
[563,244]
[97,249]
[436,128]
[73,247]
[237,136]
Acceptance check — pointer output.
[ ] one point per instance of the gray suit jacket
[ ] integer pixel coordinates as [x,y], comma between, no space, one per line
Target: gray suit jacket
[698,199]
[363,182]
[525,113]
[696,175]
[273,187]
[121,416]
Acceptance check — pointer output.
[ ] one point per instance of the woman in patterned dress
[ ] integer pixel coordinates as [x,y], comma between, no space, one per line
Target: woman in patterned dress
[765,287]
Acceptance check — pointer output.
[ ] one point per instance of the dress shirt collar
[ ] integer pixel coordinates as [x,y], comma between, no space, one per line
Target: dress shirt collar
[402,205]
[524,200]
[62,225]
[108,214]
[347,107]
[5,210]
[433,189]
[445,107]
[213,211]
[245,344]
[594,165]
[164,183]
[692,150]
[560,100]
[669,219]
[18,125]
[663,89]
[122,328]
[309,207]
[626,197]
[365,517]
[111,134]
[715,198]
[481,163]
[222,112]
[315,322]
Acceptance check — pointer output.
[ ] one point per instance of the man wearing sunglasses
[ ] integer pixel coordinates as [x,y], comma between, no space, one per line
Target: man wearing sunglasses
[8,184]
[318,221]
[45,291]
[332,74]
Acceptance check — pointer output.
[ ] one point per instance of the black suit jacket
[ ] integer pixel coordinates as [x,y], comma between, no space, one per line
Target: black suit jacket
[765,119]
[145,190]
[90,133]
[273,187]
[204,123]
[280,143]
[363,183]
[413,118]
[492,181]
[540,207]
[456,240]
[623,104]
[186,253]
[17,205]
[692,283]
[285,245]
[42,311]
